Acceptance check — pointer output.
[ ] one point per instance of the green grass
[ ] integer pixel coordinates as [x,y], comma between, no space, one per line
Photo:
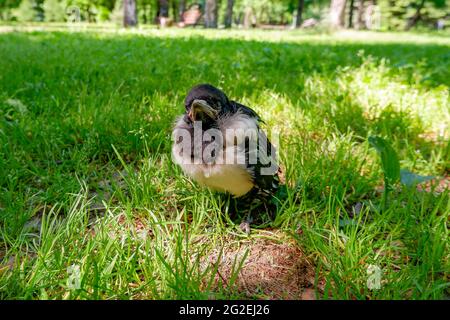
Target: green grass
[87,181]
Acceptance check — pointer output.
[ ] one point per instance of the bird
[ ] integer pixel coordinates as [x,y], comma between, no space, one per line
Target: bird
[219,143]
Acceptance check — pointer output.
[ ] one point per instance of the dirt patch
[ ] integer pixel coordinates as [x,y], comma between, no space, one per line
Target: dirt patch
[436,185]
[273,268]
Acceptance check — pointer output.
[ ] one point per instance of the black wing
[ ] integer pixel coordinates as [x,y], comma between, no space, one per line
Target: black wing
[245,110]
[266,183]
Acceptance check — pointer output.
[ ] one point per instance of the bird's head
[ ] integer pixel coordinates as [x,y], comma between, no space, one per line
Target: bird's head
[205,103]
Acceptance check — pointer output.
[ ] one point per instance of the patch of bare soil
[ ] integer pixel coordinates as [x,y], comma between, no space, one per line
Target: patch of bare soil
[273,268]
[435,185]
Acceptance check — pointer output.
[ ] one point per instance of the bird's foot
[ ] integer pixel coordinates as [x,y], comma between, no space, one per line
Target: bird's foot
[245,225]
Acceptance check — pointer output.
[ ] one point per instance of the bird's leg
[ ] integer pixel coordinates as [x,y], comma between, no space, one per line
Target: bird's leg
[245,224]
[248,204]
[254,207]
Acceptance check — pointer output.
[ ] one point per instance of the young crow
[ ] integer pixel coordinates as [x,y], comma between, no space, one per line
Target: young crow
[218,143]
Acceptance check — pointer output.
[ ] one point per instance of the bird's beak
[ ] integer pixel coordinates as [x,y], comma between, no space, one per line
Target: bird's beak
[200,107]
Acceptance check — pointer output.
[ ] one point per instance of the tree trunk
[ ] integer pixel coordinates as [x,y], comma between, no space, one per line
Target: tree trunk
[162,14]
[238,19]
[229,14]
[249,18]
[416,17]
[211,13]
[350,14]
[144,13]
[360,15]
[369,14]
[175,11]
[163,8]
[181,9]
[129,13]
[300,6]
[337,13]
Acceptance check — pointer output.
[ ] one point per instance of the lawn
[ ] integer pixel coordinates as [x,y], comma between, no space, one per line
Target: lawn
[92,206]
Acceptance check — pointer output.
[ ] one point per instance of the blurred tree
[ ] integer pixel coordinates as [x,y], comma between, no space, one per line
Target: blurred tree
[337,13]
[144,9]
[88,8]
[300,6]
[181,9]
[26,12]
[249,18]
[116,15]
[229,13]
[370,14]
[360,15]
[129,13]
[254,12]
[163,9]
[6,6]
[426,9]
[210,14]
[103,14]
[416,17]
[54,10]
[173,6]
[406,14]
[350,13]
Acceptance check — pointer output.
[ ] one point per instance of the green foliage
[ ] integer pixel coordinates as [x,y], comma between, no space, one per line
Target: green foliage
[6,7]
[266,11]
[117,14]
[103,14]
[26,12]
[389,159]
[396,14]
[54,10]
[390,165]
[93,10]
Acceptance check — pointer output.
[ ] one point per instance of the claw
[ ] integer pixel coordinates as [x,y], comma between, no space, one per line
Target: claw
[245,224]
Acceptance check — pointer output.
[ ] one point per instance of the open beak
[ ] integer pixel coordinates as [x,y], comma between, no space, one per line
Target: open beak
[200,108]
